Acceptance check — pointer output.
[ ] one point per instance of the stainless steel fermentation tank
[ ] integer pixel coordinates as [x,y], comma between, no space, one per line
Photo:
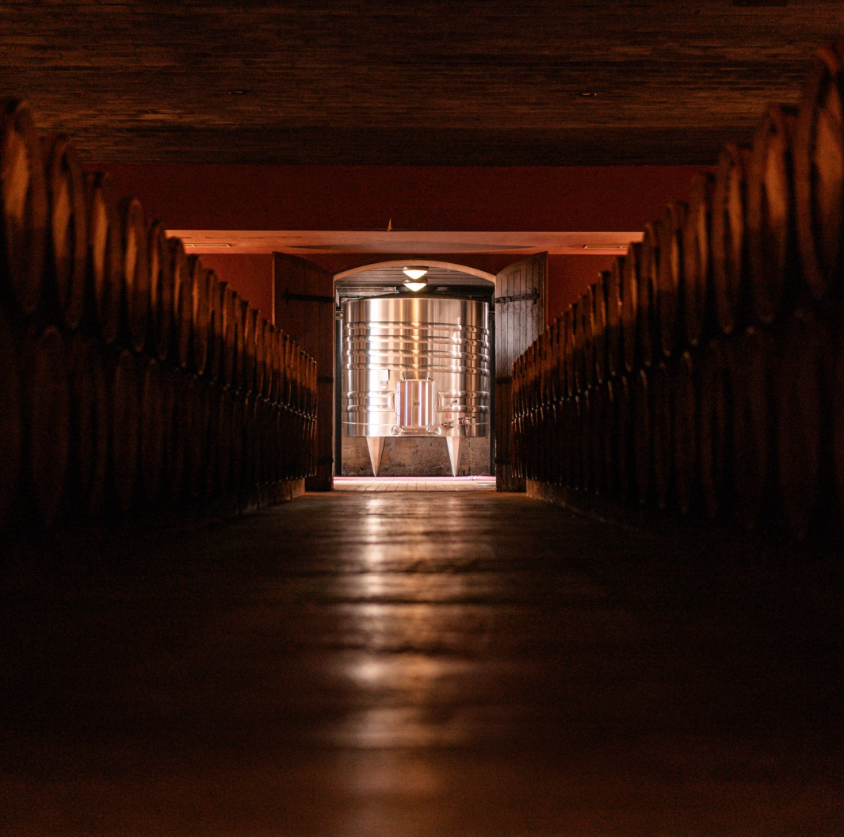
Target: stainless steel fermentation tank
[416,366]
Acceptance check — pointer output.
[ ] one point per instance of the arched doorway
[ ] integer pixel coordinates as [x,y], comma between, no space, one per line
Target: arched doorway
[305,298]
[446,356]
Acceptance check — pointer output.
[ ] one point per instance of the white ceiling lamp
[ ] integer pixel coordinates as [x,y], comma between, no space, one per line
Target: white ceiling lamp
[414,274]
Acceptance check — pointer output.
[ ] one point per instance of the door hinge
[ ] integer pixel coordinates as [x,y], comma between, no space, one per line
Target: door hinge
[503,300]
[287,296]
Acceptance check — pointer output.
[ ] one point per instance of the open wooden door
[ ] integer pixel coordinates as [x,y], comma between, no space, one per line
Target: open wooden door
[519,320]
[304,309]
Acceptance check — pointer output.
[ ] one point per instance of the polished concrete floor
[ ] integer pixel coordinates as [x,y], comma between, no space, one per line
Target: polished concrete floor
[417,664]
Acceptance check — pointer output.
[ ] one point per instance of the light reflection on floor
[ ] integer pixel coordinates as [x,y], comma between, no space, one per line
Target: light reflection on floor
[389,484]
[418,666]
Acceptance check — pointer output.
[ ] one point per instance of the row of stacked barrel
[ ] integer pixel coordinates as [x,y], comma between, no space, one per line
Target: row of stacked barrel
[705,371]
[130,375]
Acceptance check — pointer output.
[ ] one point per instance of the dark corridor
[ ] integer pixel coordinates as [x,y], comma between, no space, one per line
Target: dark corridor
[418,664]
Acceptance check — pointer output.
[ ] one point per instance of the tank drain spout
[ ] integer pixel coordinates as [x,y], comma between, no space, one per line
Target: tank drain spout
[376,448]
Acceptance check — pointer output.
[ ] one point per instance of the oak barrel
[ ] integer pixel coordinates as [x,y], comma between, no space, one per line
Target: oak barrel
[609,437]
[599,326]
[804,371]
[178,415]
[555,465]
[276,442]
[669,291]
[624,421]
[596,441]
[196,437]
[686,441]
[161,290]
[231,340]
[213,441]
[11,419]
[648,287]
[729,250]
[260,355]
[241,366]
[47,421]
[237,446]
[269,355]
[754,362]
[836,402]
[565,446]
[67,242]
[771,227]
[200,315]
[89,425]
[582,347]
[271,382]
[251,450]
[642,437]
[224,446]
[715,451]
[289,350]
[570,316]
[182,303]
[579,416]
[614,289]
[283,344]
[125,428]
[630,306]
[152,432]
[250,348]
[214,293]
[697,261]
[268,448]
[169,398]
[105,259]
[557,365]
[662,440]
[136,273]
[551,366]
[542,358]
[819,173]
[285,442]
[23,206]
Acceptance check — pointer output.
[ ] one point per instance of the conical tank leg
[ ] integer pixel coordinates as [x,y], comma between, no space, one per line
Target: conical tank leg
[453,443]
[376,448]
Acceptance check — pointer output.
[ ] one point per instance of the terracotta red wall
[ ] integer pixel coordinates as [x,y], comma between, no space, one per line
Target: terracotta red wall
[615,198]
[250,275]
[618,198]
[568,278]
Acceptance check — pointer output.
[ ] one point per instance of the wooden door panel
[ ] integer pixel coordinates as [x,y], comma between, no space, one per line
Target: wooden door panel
[519,320]
[304,309]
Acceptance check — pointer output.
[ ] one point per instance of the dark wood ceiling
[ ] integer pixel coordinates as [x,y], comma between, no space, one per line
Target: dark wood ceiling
[409,83]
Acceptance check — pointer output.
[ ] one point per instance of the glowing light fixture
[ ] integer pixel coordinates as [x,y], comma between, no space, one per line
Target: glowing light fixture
[414,274]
